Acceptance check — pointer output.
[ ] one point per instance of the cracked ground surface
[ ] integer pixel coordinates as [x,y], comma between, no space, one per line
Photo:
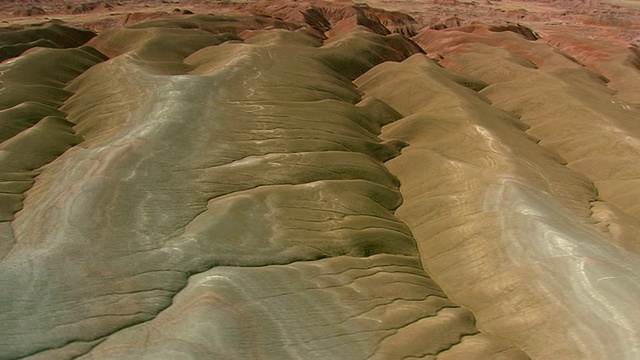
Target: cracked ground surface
[206,186]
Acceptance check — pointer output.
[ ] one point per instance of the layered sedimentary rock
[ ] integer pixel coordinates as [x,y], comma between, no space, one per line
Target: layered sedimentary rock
[313,185]
[485,200]
[232,202]
[16,42]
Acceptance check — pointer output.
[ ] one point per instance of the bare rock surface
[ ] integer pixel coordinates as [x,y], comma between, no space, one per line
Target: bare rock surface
[318,180]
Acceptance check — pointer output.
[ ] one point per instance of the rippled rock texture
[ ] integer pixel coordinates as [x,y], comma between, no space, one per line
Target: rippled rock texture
[206,186]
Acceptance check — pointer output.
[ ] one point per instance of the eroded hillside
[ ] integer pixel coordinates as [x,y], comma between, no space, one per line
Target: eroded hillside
[317,180]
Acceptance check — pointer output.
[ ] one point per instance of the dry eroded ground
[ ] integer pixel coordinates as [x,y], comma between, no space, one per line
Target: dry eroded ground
[319,180]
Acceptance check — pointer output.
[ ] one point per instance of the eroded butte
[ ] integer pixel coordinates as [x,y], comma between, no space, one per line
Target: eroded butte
[320,180]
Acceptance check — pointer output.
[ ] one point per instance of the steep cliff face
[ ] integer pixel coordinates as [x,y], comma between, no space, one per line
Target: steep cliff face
[309,182]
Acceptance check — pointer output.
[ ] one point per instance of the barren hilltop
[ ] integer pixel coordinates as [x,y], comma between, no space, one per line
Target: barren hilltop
[447,179]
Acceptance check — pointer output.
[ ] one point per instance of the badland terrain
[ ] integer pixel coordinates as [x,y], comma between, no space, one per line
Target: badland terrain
[447,179]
